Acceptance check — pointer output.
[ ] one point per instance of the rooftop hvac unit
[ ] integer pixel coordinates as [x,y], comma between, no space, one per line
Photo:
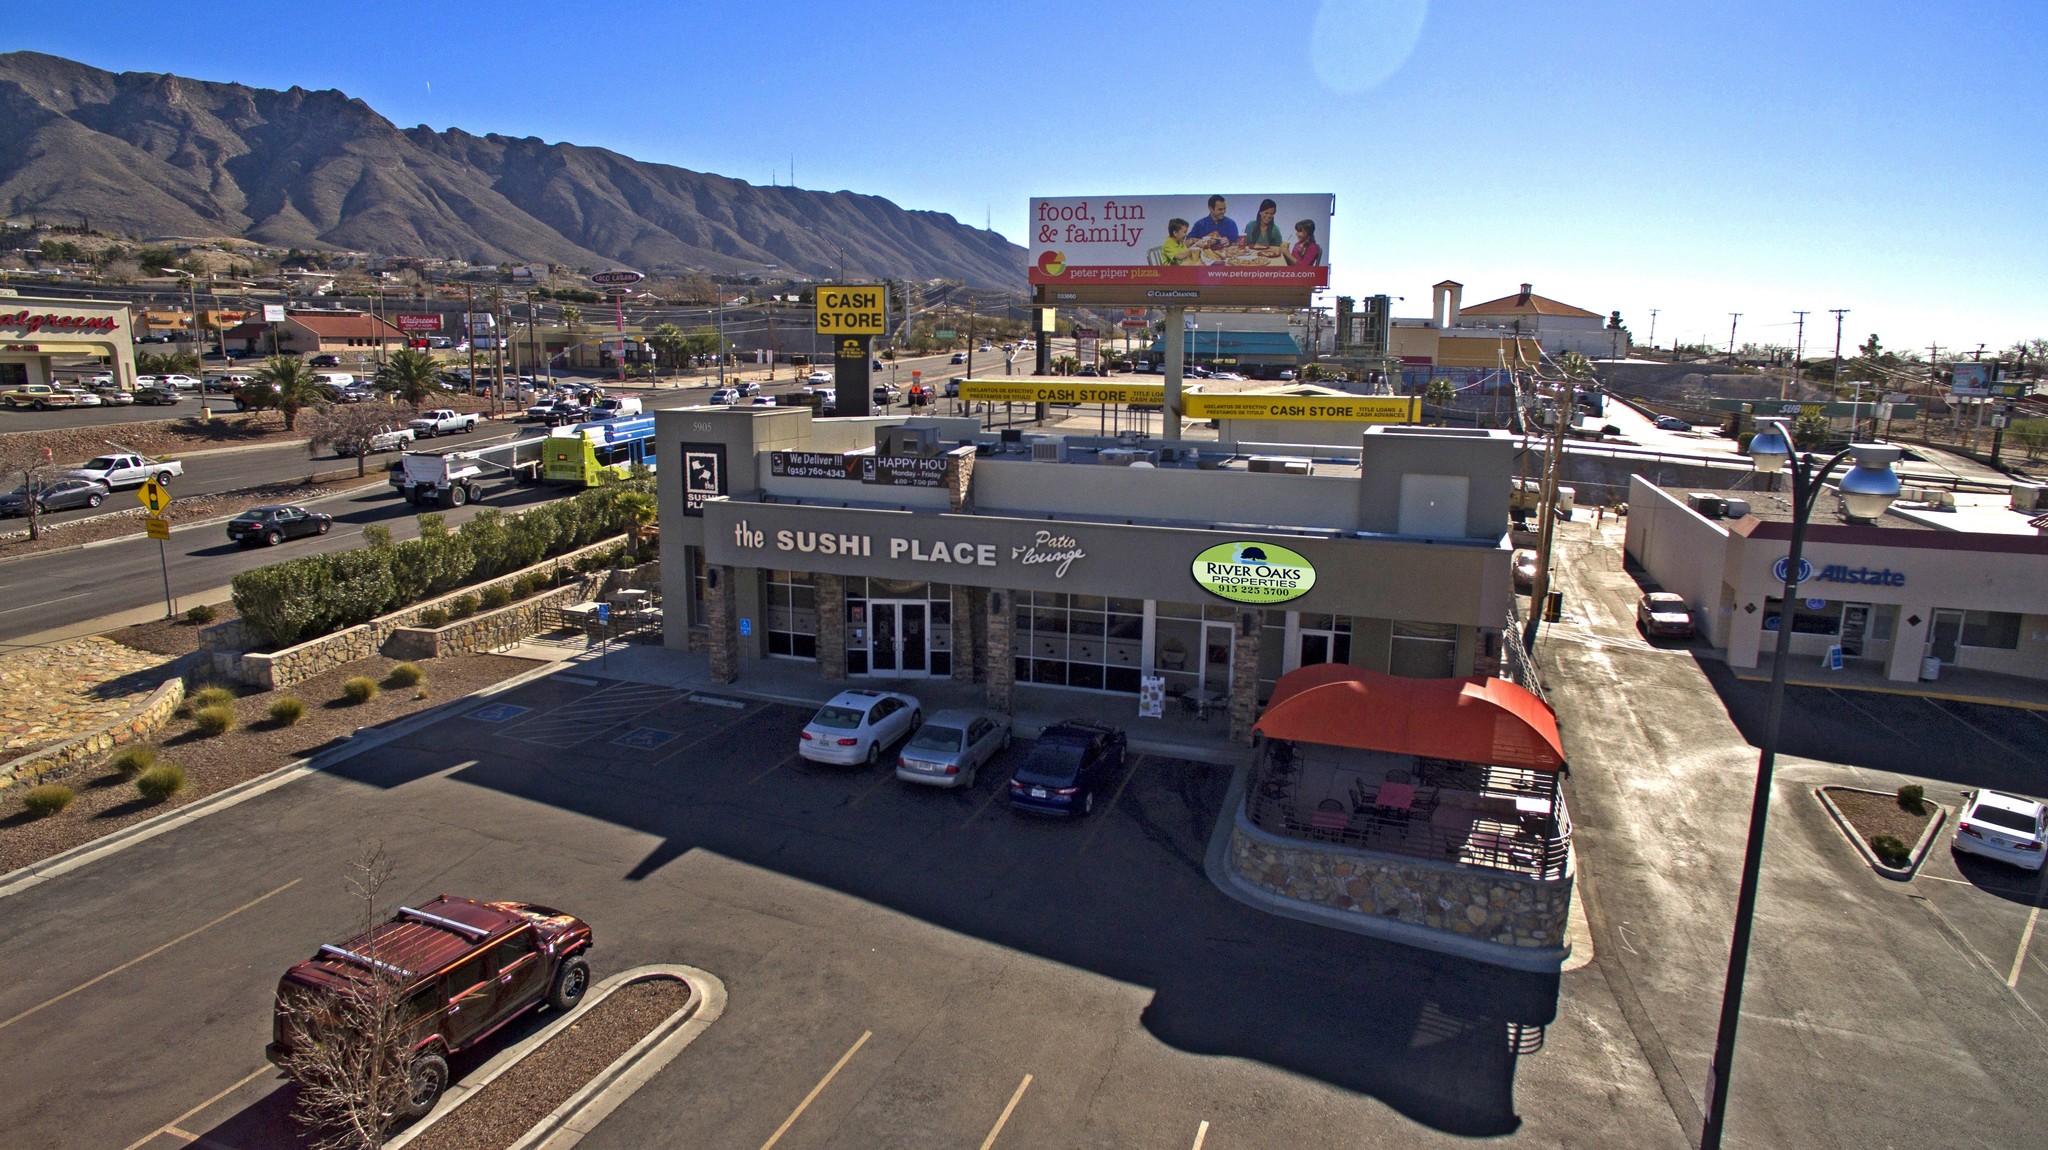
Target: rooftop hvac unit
[1281,464]
[1013,435]
[902,440]
[1708,504]
[1735,508]
[2029,497]
[1125,456]
[1049,451]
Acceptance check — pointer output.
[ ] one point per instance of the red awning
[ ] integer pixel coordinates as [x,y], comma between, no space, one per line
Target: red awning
[1477,720]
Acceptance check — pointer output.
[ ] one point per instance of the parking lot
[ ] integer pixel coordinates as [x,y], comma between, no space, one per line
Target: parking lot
[907,966]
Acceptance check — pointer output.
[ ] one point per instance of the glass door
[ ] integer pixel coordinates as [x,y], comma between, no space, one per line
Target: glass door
[1217,642]
[900,637]
[1855,625]
[1943,637]
[910,638]
[883,644]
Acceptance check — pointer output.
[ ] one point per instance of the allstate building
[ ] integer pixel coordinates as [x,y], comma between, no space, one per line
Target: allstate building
[899,548]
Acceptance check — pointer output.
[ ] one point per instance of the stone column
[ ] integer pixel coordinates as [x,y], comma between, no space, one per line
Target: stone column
[1002,677]
[967,614]
[831,595]
[1244,676]
[960,484]
[721,606]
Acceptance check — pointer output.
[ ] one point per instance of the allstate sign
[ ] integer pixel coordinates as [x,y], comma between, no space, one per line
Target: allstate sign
[1254,573]
[1778,570]
[1842,573]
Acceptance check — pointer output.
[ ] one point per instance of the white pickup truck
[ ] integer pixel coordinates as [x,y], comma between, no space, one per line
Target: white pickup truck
[127,469]
[444,421]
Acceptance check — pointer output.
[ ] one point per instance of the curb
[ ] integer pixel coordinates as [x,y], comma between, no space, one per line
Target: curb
[1950,696]
[36,873]
[1215,864]
[215,521]
[609,1088]
[1920,848]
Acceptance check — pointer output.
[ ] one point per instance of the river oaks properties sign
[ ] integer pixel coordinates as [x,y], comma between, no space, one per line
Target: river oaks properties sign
[1253,573]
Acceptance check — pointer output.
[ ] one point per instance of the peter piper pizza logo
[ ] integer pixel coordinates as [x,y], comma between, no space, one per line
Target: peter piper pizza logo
[1052,263]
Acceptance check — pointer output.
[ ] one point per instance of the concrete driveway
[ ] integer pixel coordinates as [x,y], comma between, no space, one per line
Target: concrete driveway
[977,978]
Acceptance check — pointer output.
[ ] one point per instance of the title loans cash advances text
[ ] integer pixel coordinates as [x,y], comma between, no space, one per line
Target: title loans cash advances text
[1045,548]
[1125,241]
[1254,573]
[853,310]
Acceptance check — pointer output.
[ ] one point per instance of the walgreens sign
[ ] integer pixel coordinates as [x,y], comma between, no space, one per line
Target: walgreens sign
[31,322]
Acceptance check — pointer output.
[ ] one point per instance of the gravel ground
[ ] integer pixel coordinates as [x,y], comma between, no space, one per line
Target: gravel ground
[173,637]
[1874,815]
[255,746]
[185,509]
[163,437]
[497,1115]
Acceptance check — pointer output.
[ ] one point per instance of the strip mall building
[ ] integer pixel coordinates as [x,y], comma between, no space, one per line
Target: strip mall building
[892,548]
[34,333]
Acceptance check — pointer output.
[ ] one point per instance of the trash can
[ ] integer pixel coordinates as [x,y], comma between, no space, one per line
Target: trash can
[1930,668]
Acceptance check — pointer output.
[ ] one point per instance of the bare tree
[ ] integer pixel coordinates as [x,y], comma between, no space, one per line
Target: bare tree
[349,429]
[351,1049]
[33,465]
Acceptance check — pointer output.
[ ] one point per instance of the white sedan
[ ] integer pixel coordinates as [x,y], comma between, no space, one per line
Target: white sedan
[856,725]
[2003,827]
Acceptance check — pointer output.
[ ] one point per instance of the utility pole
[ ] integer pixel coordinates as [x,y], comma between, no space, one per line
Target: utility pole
[1734,317]
[1798,350]
[1839,312]
[1653,329]
[1546,521]
[469,332]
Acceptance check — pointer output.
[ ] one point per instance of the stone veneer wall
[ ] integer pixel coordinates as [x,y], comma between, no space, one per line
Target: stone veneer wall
[967,620]
[1474,902]
[1002,669]
[138,725]
[272,670]
[831,592]
[721,610]
[1244,676]
[488,630]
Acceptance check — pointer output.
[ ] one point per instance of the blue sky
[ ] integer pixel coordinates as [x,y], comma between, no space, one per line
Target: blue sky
[1697,159]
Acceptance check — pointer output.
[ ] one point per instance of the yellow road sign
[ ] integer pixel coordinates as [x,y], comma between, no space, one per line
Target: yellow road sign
[853,310]
[154,496]
[157,527]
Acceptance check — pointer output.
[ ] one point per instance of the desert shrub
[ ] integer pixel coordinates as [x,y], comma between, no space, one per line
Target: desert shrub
[201,615]
[496,597]
[434,617]
[1913,799]
[46,800]
[212,721]
[1890,851]
[360,689]
[159,783]
[210,697]
[287,710]
[133,761]
[462,606]
[406,675]
[626,559]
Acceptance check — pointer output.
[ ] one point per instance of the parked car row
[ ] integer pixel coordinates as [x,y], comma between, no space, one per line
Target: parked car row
[1062,774]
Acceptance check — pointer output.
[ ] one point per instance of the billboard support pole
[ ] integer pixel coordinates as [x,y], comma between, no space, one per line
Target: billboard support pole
[1176,347]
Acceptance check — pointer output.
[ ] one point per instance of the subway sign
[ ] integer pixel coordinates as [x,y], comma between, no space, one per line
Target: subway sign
[1260,573]
[853,310]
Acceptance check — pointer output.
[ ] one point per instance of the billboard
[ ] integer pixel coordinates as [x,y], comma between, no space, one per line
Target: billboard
[1151,245]
[1331,408]
[856,310]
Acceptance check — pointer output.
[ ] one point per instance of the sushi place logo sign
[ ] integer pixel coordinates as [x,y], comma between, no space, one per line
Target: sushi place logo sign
[1259,573]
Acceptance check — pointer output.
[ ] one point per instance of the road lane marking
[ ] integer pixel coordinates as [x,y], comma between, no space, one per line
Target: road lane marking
[152,954]
[1201,1134]
[1137,761]
[1007,1110]
[45,603]
[171,1126]
[2019,960]
[818,1089]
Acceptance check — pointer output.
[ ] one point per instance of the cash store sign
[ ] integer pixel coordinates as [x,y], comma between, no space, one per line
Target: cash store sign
[1259,573]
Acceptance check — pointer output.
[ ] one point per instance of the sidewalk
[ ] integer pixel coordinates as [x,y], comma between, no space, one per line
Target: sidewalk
[1956,684]
[1177,736]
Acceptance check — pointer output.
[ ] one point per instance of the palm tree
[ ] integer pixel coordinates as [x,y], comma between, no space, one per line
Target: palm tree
[1441,393]
[572,318]
[639,509]
[296,385]
[669,341]
[412,375]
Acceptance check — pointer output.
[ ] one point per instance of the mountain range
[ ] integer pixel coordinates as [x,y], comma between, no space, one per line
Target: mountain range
[160,155]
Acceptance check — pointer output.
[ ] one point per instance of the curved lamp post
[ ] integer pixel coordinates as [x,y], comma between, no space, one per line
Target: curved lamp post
[1867,489]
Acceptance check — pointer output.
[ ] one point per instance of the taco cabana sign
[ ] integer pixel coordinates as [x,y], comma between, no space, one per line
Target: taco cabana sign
[1259,573]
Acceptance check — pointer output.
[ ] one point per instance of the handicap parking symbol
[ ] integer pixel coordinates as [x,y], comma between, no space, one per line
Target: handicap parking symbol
[644,738]
[497,712]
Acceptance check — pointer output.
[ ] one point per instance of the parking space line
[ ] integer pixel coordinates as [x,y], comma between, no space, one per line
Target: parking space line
[171,1127]
[1007,1110]
[701,740]
[1979,731]
[888,776]
[818,1089]
[1201,1134]
[2019,959]
[786,760]
[97,979]
[986,803]
[1087,841]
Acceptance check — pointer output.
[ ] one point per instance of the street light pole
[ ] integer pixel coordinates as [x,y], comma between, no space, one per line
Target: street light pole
[1867,489]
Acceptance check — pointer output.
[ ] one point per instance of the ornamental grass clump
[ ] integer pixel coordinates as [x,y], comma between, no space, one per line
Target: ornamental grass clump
[287,710]
[211,721]
[133,761]
[210,697]
[359,690]
[1890,851]
[159,783]
[46,800]
[406,675]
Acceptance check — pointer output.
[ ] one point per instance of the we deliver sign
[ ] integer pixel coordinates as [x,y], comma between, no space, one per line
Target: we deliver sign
[853,310]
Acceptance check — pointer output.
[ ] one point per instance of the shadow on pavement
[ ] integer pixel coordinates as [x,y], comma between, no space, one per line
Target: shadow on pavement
[1435,1037]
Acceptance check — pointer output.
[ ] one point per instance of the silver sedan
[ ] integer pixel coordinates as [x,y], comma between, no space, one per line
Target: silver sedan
[949,750]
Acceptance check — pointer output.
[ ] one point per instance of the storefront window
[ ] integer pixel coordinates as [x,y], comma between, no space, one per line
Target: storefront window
[1424,650]
[1326,638]
[1999,629]
[1805,620]
[1086,641]
[697,616]
[790,605]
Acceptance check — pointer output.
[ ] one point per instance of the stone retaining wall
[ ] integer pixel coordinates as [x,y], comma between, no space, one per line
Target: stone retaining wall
[1488,905]
[272,670]
[488,630]
[138,725]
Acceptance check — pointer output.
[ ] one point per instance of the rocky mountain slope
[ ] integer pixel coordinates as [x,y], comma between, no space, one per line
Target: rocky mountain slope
[161,155]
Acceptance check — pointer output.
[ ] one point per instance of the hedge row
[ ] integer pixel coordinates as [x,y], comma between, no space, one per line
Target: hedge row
[300,599]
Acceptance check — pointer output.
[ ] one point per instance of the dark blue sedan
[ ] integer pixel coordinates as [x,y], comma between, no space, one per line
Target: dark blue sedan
[1066,767]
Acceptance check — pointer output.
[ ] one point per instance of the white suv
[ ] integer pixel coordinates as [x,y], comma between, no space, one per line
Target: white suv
[856,725]
[2003,827]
